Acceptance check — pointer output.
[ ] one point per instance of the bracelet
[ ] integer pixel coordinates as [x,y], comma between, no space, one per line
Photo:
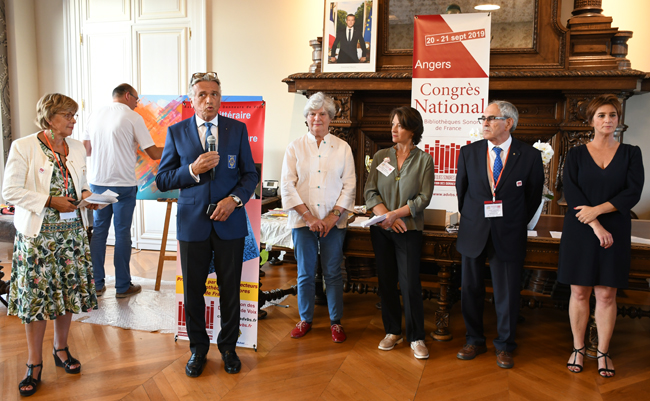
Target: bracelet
[302,216]
[49,201]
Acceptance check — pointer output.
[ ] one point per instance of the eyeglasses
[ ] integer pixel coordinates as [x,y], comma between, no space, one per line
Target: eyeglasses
[69,116]
[489,119]
[204,76]
[137,99]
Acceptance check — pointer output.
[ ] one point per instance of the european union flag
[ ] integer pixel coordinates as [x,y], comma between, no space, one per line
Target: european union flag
[366,32]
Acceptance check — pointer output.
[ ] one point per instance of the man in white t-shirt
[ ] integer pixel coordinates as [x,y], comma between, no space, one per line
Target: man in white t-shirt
[112,138]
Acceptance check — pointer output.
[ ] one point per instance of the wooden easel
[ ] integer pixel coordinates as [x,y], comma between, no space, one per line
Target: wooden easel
[162,258]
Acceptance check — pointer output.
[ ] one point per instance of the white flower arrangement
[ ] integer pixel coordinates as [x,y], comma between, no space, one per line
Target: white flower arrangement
[546,149]
[475,134]
[547,155]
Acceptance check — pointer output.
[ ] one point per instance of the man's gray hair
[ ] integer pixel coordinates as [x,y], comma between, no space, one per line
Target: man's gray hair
[318,100]
[205,78]
[508,110]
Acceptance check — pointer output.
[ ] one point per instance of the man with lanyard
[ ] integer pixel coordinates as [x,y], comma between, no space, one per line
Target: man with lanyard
[112,138]
[499,186]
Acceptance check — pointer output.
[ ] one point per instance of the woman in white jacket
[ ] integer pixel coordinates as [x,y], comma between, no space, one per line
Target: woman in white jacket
[51,274]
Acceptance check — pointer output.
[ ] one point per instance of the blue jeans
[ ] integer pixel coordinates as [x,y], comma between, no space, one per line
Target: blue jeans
[306,246]
[122,213]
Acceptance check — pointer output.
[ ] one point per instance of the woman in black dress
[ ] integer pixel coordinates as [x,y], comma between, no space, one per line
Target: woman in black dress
[602,181]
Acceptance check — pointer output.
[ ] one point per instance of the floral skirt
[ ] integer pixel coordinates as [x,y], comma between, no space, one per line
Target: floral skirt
[52,273]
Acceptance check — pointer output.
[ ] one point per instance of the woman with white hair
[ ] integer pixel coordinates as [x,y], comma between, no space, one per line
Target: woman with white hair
[318,190]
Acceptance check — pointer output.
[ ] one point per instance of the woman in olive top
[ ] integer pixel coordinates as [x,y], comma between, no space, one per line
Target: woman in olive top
[400,185]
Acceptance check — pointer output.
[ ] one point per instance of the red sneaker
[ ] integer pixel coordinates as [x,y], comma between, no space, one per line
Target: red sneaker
[338,335]
[301,329]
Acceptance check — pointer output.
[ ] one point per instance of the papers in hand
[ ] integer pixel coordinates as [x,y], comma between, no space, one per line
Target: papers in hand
[107,198]
[373,220]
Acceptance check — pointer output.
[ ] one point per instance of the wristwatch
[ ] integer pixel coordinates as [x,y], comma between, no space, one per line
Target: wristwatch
[236,199]
[336,212]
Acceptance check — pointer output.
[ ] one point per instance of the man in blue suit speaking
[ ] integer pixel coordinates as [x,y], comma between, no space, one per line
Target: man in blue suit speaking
[210,216]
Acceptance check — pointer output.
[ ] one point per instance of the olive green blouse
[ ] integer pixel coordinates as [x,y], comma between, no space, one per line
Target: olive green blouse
[412,185]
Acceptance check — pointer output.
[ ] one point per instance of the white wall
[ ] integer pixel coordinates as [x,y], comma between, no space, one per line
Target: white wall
[637,116]
[50,40]
[23,66]
[253,45]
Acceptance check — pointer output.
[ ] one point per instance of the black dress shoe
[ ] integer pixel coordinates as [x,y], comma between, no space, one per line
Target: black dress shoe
[231,362]
[195,365]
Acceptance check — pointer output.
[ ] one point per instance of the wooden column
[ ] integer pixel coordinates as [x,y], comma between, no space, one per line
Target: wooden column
[591,37]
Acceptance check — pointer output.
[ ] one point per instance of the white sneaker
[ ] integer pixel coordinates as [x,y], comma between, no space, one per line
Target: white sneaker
[390,341]
[420,351]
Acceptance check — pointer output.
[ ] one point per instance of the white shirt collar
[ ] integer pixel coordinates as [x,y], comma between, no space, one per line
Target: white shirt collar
[504,146]
[200,121]
[312,138]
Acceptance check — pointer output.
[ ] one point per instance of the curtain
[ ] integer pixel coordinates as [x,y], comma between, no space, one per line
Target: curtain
[5,116]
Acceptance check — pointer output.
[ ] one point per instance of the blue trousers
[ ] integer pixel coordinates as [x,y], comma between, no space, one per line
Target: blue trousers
[122,214]
[306,248]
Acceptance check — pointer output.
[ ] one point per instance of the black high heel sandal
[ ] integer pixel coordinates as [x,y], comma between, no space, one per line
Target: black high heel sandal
[67,363]
[30,381]
[575,357]
[605,369]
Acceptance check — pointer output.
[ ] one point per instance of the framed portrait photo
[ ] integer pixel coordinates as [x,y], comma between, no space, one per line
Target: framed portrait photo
[350,36]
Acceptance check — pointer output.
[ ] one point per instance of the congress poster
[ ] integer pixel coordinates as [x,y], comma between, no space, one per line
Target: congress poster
[451,69]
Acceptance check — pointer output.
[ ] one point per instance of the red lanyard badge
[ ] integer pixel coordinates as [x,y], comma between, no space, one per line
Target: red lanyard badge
[64,172]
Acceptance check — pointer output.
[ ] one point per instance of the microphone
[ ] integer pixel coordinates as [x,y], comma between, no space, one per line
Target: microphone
[212,147]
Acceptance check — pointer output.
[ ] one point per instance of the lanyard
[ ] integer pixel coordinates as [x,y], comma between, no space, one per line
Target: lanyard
[63,173]
[494,187]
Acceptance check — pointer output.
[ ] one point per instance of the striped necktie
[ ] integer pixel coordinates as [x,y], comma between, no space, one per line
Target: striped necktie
[208,133]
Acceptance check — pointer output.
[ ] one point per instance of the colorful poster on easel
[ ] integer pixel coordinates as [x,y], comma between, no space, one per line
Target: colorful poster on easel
[158,112]
[252,113]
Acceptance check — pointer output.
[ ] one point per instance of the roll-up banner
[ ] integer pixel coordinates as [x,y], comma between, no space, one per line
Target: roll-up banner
[252,113]
[451,69]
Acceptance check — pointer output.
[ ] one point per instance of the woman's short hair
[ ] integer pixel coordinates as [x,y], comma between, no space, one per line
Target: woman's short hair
[601,101]
[508,110]
[318,100]
[411,120]
[51,104]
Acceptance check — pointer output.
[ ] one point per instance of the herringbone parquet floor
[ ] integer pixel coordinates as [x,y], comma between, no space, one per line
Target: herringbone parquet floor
[133,365]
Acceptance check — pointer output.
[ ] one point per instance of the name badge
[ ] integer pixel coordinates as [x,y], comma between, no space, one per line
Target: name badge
[68,216]
[385,168]
[493,209]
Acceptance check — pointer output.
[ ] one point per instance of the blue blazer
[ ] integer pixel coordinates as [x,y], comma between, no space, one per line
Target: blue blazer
[235,174]
[520,189]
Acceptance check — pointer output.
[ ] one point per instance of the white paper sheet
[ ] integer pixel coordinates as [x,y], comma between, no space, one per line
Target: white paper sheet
[639,240]
[102,200]
[374,220]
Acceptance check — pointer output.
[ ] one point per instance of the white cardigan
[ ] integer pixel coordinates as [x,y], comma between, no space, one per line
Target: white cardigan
[28,176]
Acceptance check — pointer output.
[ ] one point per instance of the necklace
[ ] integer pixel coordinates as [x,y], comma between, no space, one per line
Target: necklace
[405,153]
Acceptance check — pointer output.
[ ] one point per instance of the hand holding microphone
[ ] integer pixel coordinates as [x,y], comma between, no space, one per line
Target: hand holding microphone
[207,161]
[212,147]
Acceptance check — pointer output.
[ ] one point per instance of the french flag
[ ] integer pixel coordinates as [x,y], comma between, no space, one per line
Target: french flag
[332,24]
